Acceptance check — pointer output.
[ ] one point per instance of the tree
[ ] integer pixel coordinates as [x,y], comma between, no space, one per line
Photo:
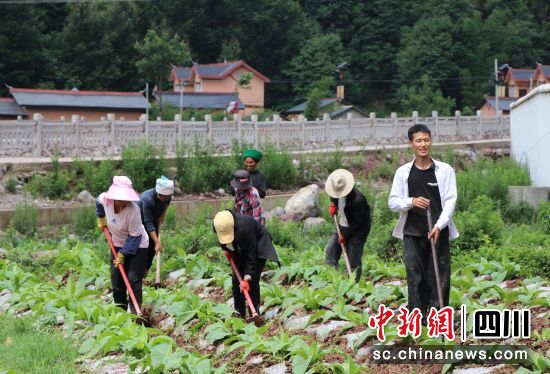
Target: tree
[20,46]
[320,90]
[158,51]
[231,50]
[424,98]
[318,58]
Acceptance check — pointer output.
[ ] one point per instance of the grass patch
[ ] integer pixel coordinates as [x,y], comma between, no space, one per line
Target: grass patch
[26,348]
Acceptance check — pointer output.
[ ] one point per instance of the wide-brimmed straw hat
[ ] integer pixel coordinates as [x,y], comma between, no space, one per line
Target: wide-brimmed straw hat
[241,180]
[224,224]
[122,189]
[339,183]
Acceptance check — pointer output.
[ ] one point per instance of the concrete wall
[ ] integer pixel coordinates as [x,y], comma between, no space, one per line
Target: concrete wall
[530,134]
[93,114]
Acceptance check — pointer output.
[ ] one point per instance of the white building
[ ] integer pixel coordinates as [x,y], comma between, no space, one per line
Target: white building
[530,133]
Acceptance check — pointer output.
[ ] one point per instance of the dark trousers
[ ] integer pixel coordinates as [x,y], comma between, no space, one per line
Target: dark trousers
[354,247]
[150,253]
[238,297]
[134,266]
[421,283]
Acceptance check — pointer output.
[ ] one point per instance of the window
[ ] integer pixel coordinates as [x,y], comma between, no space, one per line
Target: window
[522,93]
[198,86]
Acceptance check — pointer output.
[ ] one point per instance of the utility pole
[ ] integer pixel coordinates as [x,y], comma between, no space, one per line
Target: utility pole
[147,98]
[496,85]
[181,97]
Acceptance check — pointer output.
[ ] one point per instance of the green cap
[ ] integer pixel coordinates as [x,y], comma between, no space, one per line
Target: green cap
[256,155]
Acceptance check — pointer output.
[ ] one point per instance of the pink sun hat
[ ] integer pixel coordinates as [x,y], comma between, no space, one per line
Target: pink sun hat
[122,189]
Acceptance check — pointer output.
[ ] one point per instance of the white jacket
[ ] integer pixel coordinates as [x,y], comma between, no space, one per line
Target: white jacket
[399,200]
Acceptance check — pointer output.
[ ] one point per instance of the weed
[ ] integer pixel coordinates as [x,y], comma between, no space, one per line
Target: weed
[143,163]
[25,218]
[278,168]
[11,185]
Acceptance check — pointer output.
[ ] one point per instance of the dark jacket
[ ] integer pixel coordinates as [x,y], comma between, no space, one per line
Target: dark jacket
[252,241]
[151,209]
[357,212]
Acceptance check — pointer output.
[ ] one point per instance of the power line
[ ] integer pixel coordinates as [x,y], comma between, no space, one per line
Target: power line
[64,1]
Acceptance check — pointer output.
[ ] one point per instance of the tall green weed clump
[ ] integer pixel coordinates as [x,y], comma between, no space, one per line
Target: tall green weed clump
[490,178]
[94,177]
[479,225]
[143,163]
[201,171]
[54,185]
[543,216]
[25,218]
[278,168]
[84,224]
[380,239]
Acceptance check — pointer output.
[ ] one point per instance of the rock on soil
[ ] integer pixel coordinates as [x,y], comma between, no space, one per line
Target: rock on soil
[105,365]
[4,300]
[197,283]
[323,331]
[276,369]
[296,323]
[175,275]
[304,203]
[313,221]
[479,370]
[85,197]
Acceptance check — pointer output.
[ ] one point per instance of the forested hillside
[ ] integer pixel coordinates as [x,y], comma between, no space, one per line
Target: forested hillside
[398,51]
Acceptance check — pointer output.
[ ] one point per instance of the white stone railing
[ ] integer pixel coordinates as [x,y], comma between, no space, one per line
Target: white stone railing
[37,137]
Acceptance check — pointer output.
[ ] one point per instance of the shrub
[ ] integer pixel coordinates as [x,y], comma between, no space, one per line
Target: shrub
[543,216]
[11,184]
[491,178]
[170,219]
[278,168]
[518,213]
[25,218]
[85,221]
[481,224]
[203,172]
[94,177]
[143,163]
[333,160]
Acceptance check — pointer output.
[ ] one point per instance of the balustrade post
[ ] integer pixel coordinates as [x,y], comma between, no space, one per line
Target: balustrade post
[277,121]
[457,123]
[209,136]
[393,116]
[415,117]
[326,120]
[435,117]
[479,124]
[39,119]
[75,120]
[254,119]
[179,129]
[239,127]
[111,119]
[302,120]
[372,121]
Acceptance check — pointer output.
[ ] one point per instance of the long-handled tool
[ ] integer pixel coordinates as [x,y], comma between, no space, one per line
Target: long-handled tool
[157,283]
[122,272]
[258,321]
[344,250]
[436,267]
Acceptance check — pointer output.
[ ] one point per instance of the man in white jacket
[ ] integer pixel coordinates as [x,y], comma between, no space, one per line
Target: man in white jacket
[422,184]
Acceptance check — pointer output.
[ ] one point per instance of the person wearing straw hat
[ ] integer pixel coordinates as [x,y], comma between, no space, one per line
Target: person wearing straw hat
[354,223]
[154,204]
[247,199]
[118,210]
[419,185]
[250,246]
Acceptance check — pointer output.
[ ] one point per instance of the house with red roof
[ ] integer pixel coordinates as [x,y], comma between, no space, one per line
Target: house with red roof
[92,105]
[519,81]
[220,78]
[541,75]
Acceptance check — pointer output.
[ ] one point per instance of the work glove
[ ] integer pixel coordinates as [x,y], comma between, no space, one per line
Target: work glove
[119,260]
[101,222]
[332,209]
[245,286]
[341,239]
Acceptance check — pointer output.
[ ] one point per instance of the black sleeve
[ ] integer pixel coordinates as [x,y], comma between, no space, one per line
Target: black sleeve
[262,186]
[360,221]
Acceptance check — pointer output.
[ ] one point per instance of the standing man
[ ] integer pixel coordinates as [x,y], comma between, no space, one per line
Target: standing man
[422,184]
[250,245]
[355,220]
[154,204]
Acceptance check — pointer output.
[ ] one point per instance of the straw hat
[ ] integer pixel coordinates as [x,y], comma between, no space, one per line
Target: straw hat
[122,189]
[224,224]
[339,183]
